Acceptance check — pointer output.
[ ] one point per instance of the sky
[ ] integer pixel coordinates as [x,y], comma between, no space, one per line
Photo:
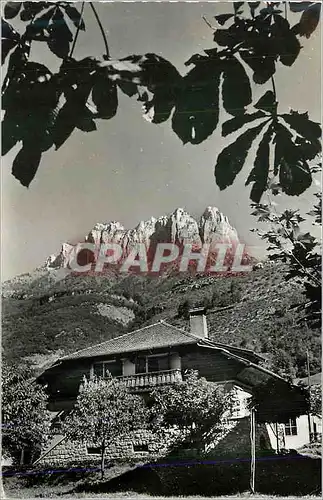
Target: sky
[129,169]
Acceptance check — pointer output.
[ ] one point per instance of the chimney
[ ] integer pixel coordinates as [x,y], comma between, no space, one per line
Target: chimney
[198,323]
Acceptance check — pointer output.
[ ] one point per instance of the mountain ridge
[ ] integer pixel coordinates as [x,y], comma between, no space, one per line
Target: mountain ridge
[178,227]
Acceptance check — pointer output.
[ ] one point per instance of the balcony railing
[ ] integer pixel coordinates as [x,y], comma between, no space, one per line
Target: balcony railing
[145,380]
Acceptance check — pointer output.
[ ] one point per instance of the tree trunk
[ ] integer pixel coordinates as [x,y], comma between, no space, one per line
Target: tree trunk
[22,456]
[102,459]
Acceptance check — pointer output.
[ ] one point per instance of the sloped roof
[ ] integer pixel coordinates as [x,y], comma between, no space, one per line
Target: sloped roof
[163,335]
[155,336]
[150,337]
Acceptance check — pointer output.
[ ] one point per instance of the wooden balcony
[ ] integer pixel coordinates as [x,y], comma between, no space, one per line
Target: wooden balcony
[142,381]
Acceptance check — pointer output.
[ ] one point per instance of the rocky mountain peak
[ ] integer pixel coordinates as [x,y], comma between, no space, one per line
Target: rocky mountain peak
[215,227]
[178,227]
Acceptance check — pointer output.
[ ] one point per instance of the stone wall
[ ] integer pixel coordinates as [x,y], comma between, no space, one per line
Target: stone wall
[236,442]
[139,445]
[142,446]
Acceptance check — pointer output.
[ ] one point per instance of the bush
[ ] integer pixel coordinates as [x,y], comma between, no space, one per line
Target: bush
[183,310]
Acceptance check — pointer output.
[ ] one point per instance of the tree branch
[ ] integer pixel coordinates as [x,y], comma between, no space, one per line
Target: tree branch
[208,23]
[77,30]
[274,87]
[313,278]
[101,29]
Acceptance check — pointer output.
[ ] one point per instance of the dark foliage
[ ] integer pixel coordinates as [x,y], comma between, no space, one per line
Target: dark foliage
[183,310]
[197,108]
[251,37]
[302,251]
[232,158]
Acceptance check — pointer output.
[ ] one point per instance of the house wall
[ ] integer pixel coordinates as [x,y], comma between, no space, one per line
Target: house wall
[63,380]
[211,364]
[175,361]
[303,432]
[236,440]
[300,439]
[128,367]
[302,436]
[230,439]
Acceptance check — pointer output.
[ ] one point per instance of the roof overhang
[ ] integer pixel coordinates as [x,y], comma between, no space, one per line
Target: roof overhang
[251,374]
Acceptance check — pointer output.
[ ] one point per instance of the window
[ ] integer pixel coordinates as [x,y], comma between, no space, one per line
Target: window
[147,364]
[93,450]
[291,427]
[101,369]
[140,447]
[141,365]
[158,363]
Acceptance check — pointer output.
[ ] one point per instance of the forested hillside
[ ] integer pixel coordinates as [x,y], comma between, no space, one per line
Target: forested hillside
[44,318]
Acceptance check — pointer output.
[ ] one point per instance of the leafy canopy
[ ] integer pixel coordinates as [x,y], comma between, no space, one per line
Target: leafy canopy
[25,419]
[194,407]
[105,411]
[42,108]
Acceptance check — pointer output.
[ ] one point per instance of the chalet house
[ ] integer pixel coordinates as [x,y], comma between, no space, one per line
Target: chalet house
[152,356]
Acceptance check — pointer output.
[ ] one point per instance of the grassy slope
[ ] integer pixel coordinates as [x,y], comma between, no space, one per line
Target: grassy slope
[44,317]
